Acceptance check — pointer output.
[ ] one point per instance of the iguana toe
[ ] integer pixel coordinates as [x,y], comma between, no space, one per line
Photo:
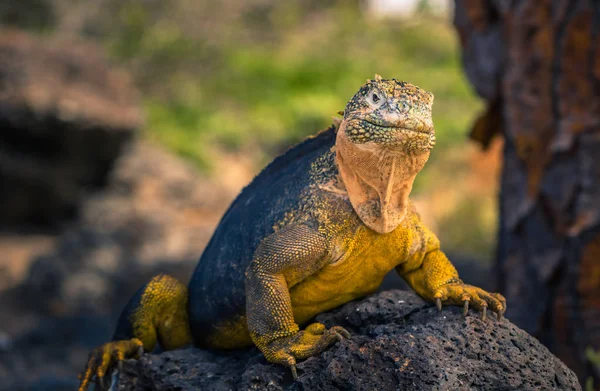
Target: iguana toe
[345,333]
[105,357]
[469,296]
[316,328]
[313,340]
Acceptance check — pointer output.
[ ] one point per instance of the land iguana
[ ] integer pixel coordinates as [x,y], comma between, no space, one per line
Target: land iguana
[318,227]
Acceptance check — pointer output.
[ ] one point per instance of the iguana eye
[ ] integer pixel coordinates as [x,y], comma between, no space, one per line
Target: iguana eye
[404,106]
[375,98]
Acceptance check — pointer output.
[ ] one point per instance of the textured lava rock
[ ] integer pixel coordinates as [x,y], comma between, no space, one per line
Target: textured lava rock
[50,356]
[155,215]
[398,342]
[65,114]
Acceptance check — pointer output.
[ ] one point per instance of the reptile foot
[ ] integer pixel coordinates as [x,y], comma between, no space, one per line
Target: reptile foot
[313,340]
[105,357]
[457,293]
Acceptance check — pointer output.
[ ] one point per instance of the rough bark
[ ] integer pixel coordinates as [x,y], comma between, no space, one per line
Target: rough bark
[537,64]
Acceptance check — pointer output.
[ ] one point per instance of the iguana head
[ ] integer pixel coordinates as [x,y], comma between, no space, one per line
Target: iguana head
[383,141]
[391,113]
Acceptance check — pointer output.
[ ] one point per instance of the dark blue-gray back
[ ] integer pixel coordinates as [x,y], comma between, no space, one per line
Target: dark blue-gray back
[217,289]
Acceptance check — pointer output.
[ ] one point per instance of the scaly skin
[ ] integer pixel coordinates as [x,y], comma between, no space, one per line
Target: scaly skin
[320,226]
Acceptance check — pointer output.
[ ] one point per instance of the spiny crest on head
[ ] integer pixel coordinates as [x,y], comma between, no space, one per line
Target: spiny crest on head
[402,89]
[397,89]
[377,79]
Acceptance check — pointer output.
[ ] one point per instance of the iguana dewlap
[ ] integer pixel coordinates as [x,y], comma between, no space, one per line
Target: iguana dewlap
[319,226]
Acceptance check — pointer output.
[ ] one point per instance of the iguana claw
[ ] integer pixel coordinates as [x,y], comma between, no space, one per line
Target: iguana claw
[344,333]
[105,357]
[313,340]
[470,297]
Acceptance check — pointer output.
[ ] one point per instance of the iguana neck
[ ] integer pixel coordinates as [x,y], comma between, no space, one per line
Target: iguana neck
[378,180]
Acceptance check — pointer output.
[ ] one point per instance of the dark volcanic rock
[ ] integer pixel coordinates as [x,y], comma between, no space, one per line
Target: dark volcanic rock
[49,357]
[155,215]
[65,114]
[398,342]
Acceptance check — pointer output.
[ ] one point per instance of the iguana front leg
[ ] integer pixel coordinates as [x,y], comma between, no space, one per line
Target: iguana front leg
[433,277]
[282,260]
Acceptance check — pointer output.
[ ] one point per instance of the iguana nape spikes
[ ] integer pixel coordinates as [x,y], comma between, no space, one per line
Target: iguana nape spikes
[318,227]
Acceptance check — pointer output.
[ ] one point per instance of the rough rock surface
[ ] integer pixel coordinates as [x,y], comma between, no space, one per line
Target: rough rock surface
[155,215]
[65,115]
[398,342]
[60,296]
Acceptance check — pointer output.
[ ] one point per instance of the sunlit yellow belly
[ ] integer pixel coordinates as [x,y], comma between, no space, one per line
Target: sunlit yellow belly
[367,258]
[357,274]
[330,288]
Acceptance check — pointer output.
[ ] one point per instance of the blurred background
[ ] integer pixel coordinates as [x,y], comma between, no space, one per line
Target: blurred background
[128,126]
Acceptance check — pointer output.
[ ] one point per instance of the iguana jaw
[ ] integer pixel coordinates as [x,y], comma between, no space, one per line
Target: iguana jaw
[397,127]
[382,143]
[378,179]
[409,136]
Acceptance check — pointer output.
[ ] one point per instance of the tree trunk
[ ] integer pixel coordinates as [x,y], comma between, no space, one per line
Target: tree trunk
[537,64]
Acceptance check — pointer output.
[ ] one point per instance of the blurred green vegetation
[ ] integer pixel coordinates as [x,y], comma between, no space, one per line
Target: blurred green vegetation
[255,76]
[280,72]
[263,77]
[259,75]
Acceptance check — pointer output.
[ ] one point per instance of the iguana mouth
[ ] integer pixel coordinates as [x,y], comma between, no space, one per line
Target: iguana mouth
[387,126]
[413,135]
